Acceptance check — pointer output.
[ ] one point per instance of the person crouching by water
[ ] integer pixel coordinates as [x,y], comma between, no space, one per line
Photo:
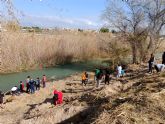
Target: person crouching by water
[14,91]
[44,81]
[84,78]
[159,67]
[28,84]
[21,87]
[58,97]
[38,83]
[150,63]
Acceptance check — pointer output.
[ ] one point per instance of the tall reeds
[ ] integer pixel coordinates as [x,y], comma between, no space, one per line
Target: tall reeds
[22,51]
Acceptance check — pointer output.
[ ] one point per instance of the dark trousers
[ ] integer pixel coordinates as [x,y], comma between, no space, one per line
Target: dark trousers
[44,84]
[27,88]
[84,82]
[32,90]
[150,67]
[1,99]
[107,81]
[163,62]
[38,87]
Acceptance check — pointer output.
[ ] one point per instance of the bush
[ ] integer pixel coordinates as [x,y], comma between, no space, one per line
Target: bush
[104,30]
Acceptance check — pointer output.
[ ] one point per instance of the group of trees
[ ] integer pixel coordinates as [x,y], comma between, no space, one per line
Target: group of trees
[140,23]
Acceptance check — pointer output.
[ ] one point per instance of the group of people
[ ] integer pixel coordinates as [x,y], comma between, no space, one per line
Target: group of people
[102,75]
[31,85]
[158,67]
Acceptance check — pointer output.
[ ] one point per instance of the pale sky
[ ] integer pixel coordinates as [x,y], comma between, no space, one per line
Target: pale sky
[61,13]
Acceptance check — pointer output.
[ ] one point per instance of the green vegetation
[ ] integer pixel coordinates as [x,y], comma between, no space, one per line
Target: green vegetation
[104,30]
[33,29]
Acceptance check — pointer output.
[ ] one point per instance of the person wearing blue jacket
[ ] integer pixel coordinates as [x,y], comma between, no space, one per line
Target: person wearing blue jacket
[32,83]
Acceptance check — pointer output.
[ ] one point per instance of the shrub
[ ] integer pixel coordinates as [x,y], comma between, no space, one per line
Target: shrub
[104,30]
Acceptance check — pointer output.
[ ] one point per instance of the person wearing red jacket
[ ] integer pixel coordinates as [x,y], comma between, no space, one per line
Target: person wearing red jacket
[58,97]
[21,87]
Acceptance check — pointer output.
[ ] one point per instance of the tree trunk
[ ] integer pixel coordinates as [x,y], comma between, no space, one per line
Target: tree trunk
[134,53]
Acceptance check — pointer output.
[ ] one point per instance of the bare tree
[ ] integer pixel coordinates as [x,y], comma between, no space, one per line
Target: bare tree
[155,11]
[136,21]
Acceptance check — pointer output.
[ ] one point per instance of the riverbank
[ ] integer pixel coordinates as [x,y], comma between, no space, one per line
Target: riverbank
[136,98]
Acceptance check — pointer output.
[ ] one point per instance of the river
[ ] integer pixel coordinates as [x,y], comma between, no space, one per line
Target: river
[7,81]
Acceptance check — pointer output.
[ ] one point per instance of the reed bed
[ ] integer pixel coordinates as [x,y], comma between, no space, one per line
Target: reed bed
[22,51]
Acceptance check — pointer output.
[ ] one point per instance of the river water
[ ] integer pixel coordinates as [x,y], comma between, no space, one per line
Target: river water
[7,81]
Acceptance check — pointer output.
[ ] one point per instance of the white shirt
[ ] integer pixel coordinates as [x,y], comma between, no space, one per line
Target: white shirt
[119,69]
[14,89]
[160,66]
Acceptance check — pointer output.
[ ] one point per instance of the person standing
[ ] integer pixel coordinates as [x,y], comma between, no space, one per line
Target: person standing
[38,84]
[21,87]
[32,90]
[151,62]
[163,58]
[28,84]
[107,76]
[1,97]
[99,78]
[84,78]
[87,77]
[119,69]
[44,81]
[97,71]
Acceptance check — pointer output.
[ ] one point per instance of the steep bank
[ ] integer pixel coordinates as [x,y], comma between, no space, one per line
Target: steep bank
[136,98]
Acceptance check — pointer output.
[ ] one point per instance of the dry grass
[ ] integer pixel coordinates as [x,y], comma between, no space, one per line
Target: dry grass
[21,51]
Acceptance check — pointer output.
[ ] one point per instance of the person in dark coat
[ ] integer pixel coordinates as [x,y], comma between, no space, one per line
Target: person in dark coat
[1,97]
[163,58]
[32,83]
[28,84]
[38,83]
[151,62]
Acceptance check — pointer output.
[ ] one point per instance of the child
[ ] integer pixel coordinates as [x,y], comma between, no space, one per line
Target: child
[119,69]
[84,78]
[38,84]
[27,84]
[44,81]
[21,87]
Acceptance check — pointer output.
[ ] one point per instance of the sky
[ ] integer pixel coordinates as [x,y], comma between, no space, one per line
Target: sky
[85,14]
